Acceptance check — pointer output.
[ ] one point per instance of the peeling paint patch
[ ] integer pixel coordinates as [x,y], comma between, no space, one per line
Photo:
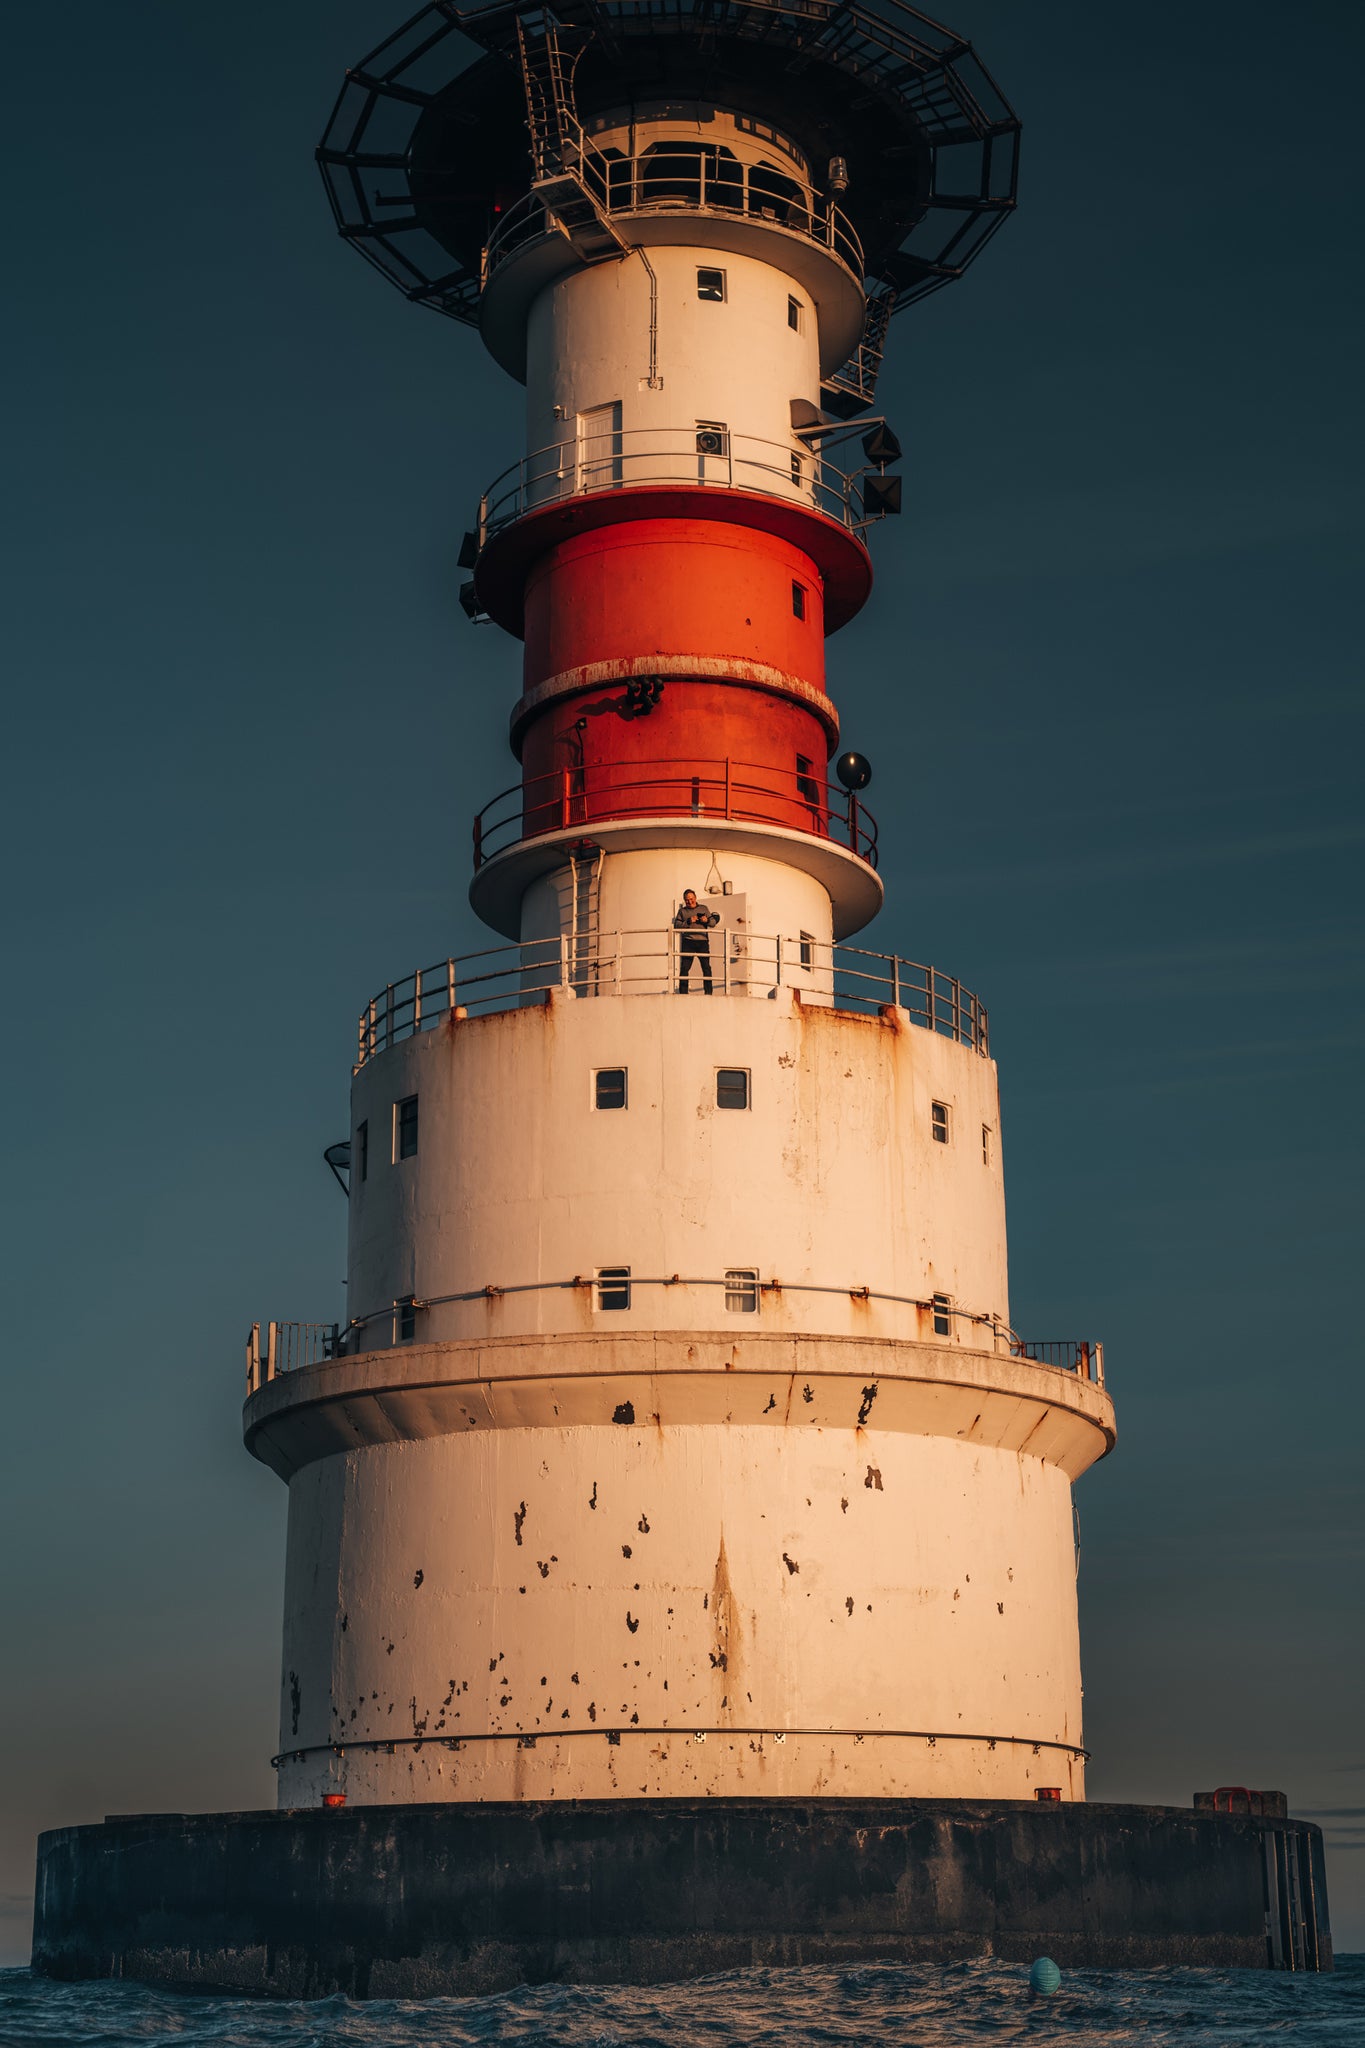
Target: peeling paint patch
[592,1503]
[518,1518]
[417,1579]
[873,1479]
[865,1408]
[643,1525]
[295,1700]
[843,1505]
[790,1563]
[808,1392]
[849,1603]
[624,1412]
[631,1621]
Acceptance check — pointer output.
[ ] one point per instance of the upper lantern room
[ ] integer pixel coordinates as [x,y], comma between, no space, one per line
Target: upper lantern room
[864,139]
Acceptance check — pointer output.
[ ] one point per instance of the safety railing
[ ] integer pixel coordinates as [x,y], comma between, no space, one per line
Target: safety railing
[736,792]
[273,1348]
[680,177]
[1082,1356]
[736,963]
[613,459]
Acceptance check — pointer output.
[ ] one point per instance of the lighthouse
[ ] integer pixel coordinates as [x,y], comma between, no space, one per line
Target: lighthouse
[677,1442]
[681,1564]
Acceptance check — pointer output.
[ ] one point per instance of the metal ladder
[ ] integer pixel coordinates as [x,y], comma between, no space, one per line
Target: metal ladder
[569,175]
[851,389]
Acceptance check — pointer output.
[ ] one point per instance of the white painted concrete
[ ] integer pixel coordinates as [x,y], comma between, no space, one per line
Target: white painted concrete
[831,1178]
[856,1591]
[736,365]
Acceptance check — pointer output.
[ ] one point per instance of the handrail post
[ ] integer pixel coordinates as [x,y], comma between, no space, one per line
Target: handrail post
[727,786]
[563,798]
[271,1330]
[450,987]
[253,1358]
[370,1028]
[895,981]
[564,960]
[417,1002]
[778,944]
[853,821]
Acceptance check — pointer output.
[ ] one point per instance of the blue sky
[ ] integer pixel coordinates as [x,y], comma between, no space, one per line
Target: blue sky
[1110,683]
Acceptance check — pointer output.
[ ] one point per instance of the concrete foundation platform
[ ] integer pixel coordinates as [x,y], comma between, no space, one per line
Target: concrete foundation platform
[417,1901]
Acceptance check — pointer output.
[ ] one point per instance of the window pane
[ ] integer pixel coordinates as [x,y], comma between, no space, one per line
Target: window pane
[407,1321]
[798,601]
[613,1287]
[407,1127]
[943,1322]
[807,949]
[610,1091]
[732,1088]
[939,1115]
[711,285]
[741,1290]
[362,1148]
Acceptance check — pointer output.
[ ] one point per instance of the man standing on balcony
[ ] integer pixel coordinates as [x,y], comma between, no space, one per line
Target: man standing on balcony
[694,923]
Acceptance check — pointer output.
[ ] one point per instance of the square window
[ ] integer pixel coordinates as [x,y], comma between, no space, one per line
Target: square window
[732,1088]
[985,1144]
[362,1150]
[713,437]
[806,785]
[711,286]
[807,949]
[741,1290]
[794,315]
[613,1287]
[609,1088]
[939,1123]
[404,1319]
[405,1127]
[943,1315]
[798,601]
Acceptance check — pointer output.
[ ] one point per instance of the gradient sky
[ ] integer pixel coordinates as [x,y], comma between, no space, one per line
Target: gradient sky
[1109,681]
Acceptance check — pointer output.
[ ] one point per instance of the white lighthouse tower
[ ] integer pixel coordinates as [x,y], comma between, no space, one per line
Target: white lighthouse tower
[678,1443]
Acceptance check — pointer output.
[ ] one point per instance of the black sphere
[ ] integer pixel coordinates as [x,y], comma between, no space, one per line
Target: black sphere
[853,770]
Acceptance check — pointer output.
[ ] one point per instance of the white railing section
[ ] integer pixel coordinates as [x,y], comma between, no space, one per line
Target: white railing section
[649,962]
[286,1347]
[683,179]
[634,457]
[273,1348]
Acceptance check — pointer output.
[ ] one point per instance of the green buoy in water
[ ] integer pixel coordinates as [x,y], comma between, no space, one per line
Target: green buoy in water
[1044,1977]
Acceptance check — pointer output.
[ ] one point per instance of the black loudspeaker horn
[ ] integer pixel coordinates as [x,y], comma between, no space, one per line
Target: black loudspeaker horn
[881,495]
[880,444]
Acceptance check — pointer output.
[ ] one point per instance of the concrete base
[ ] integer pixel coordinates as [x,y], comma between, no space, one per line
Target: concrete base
[417,1901]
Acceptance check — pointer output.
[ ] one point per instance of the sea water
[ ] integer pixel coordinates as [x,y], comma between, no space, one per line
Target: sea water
[883,2006]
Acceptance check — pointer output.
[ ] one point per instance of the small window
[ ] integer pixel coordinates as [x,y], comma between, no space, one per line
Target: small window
[939,1123]
[807,949]
[798,591]
[404,1319]
[985,1144]
[796,467]
[794,315]
[732,1088]
[711,286]
[609,1088]
[713,437]
[362,1150]
[943,1315]
[806,785]
[405,1127]
[613,1287]
[741,1290]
